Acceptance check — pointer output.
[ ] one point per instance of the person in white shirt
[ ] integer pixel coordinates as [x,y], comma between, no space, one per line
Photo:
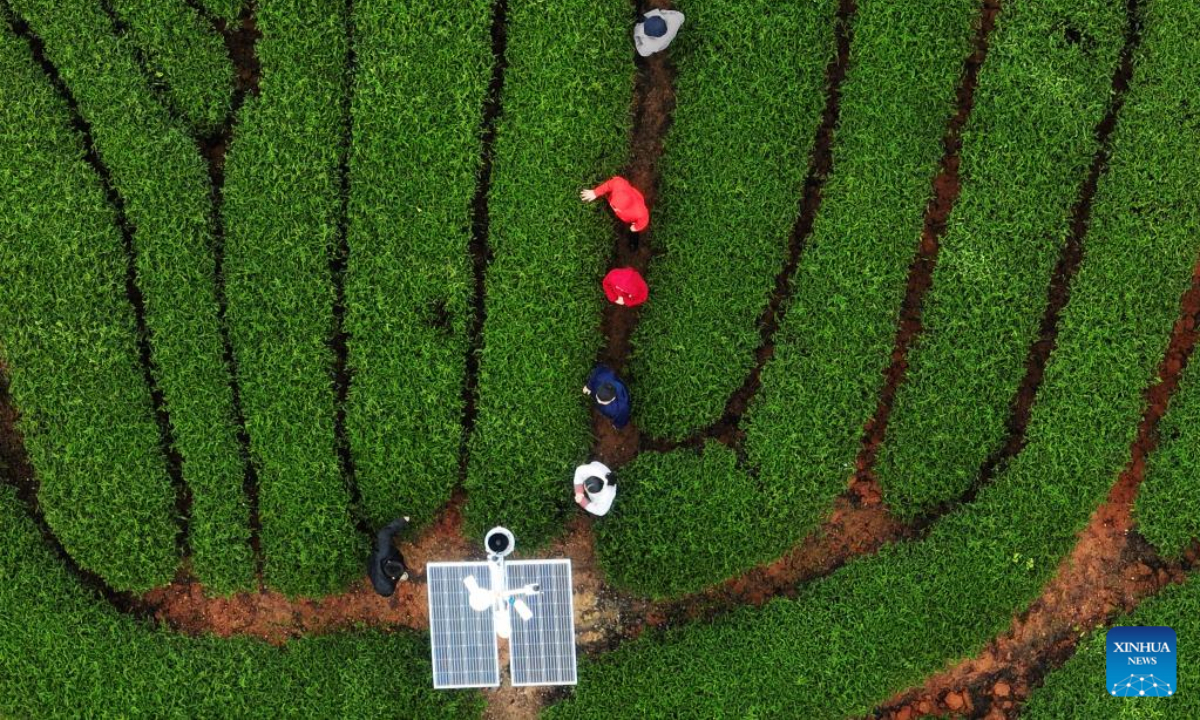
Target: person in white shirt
[594,489]
[655,30]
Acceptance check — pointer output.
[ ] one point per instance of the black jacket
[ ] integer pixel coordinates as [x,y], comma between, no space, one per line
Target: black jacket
[385,582]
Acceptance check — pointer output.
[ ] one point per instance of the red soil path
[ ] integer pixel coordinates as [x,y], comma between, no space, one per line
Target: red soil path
[1108,573]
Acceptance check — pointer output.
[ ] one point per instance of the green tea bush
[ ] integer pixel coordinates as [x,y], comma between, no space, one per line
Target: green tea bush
[67,653]
[282,209]
[1076,689]
[157,170]
[733,169]
[1026,151]
[821,385]
[227,10]
[68,339]
[564,126]
[707,520]
[184,55]
[413,165]
[1167,507]
[884,622]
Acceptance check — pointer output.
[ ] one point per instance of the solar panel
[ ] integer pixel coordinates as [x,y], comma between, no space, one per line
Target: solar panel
[543,648]
[464,641]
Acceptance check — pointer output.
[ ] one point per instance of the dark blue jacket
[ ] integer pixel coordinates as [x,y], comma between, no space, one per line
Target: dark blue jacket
[618,410]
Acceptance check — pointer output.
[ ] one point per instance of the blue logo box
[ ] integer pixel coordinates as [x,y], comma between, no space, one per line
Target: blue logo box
[1140,662]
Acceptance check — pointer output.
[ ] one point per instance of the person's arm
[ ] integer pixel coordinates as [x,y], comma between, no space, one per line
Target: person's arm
[603,188]
[592,379]
[384,537]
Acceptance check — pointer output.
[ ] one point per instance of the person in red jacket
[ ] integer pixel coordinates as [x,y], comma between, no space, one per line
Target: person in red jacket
[624,199]
[625,286]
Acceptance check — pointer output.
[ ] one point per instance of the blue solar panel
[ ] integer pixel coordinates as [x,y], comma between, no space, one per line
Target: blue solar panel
[543,648]
[463,640]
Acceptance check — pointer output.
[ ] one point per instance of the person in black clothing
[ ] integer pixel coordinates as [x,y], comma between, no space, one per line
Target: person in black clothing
[386,566]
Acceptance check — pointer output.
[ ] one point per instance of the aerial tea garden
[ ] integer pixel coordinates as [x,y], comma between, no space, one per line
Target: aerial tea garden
[913,417]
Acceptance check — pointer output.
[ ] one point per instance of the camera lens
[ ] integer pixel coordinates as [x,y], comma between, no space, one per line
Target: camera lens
[497,542]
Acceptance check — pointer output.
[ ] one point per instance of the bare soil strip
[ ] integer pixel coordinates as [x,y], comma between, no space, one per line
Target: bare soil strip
[599,615]
[481,254]
[653,106]
[240,45]
[341,376]
[946,188]
[174,461]
[1109,572]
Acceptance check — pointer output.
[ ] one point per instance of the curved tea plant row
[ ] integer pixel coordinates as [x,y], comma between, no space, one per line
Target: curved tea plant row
[68,341]
[157,171]
[747,108]
[821,385]
[65,649]
[1167,509]
[1026,151]
[282,211]
[413,164]
[564,126]
[884,622]
[184,57]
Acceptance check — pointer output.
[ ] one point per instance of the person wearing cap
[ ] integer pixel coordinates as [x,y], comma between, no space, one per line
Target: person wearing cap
[626,201]
[655,30]
[625,286]
[386,566]
[594,488]
[609,395]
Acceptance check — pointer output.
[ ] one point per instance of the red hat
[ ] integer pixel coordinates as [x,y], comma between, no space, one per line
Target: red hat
[625,284]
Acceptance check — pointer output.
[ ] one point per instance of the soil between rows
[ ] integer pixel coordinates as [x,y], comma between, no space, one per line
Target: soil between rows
[1110,569]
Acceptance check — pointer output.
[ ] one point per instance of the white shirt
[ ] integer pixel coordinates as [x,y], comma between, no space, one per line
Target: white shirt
[598,503]
[647,45]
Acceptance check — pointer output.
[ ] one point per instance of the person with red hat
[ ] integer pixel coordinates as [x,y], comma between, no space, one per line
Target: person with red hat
[625,286]
[624,199]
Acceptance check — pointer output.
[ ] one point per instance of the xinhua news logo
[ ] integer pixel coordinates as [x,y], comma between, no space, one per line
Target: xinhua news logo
[1140,662]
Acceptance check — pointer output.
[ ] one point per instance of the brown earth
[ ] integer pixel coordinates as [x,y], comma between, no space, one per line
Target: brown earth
[1110,570]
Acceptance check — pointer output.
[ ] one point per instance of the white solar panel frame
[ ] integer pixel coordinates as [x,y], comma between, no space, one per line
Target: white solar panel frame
[478,623]
[553,612]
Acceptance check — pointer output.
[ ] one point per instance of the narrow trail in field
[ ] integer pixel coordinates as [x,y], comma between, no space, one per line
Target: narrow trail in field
[341,375]
[240,44]
[598,612]
[1109,572]
[946,188]
[653,109]
[479,246]
[174,461]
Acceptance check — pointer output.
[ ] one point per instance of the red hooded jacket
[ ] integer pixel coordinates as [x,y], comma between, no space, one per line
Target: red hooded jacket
[626,202]
[626,284]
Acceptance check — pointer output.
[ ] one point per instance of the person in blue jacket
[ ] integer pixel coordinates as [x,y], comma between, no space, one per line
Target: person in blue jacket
[609,395]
